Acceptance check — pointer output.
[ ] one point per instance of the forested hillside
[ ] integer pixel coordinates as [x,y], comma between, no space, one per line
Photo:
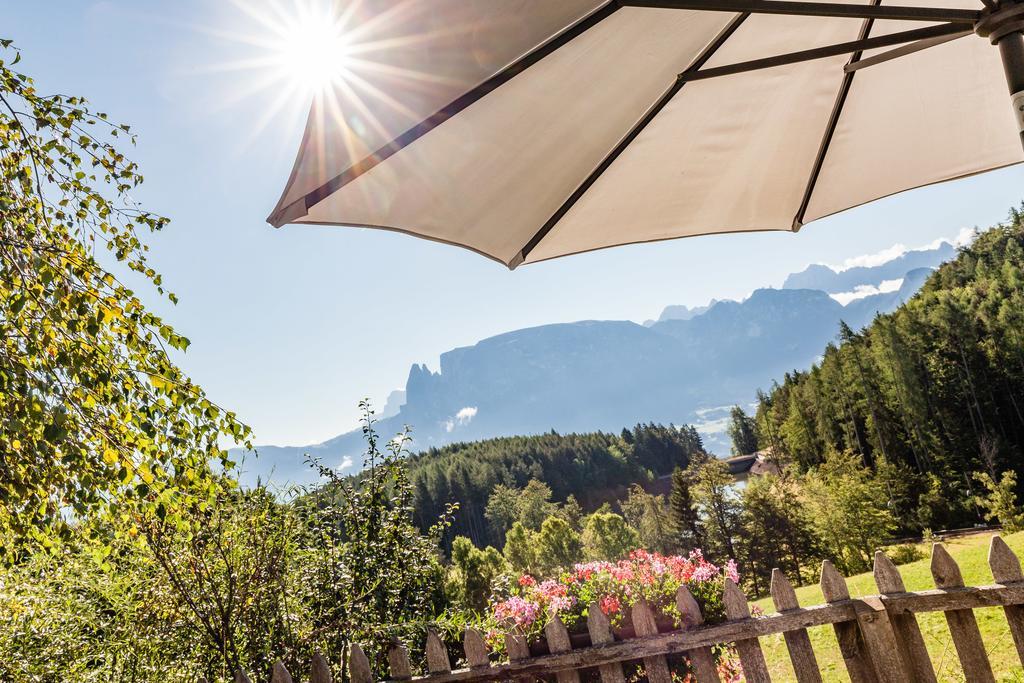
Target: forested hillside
[937,385]
[588,468]
[910,424]
[925,397]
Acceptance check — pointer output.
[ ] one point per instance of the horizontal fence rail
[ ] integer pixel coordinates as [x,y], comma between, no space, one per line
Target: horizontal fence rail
[878,636]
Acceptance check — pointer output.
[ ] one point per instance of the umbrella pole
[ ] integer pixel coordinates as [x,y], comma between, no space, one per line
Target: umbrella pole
[1011,48]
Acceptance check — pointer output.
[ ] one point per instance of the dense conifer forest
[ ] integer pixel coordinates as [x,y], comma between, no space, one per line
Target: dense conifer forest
[936,387]
[591,469]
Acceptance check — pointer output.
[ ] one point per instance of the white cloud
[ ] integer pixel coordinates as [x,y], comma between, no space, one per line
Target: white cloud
[346,462]
[870,260]
[861,291]
[704,412]
[709,427]
[962,238]
[463,417]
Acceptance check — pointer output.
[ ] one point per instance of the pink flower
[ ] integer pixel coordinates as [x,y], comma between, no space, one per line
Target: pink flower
[705,571]
[731,572]
[679,567]
[527,580]
[623,573]
[552,588]
[561,604]
[520,612]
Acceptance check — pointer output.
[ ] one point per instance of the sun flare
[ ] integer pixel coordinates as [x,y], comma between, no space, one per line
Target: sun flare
[301,47]
[281,55]
[313,50]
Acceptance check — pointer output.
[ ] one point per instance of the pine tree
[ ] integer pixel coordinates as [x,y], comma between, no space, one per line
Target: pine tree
[571,512]
[742,431]
[683,515]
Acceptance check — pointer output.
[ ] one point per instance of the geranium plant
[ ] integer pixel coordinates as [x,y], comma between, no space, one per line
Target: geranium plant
[529,603]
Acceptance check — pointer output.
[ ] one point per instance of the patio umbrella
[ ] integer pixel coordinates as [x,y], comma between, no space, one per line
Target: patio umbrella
[531,129]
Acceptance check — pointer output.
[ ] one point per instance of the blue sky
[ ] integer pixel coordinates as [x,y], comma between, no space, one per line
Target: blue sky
[292,327]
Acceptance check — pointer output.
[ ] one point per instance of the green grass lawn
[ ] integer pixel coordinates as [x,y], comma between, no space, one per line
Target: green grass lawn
[971,553]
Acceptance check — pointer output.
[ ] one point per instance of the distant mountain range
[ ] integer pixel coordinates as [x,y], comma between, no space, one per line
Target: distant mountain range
[686,367]
[817,276]
[680,312]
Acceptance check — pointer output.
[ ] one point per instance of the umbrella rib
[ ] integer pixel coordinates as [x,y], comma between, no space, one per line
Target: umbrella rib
[830,129]
[904,50]
[635,131]
[817,9]
[827,51]
[317,195]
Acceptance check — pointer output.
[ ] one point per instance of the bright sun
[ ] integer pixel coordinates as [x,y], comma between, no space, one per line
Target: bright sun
[290,52]
[293,45]
[313,51]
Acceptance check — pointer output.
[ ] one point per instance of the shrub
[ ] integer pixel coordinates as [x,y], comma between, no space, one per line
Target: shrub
[904,553]
[1000,504]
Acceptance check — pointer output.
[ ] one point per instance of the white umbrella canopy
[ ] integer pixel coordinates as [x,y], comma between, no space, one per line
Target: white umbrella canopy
[531,129]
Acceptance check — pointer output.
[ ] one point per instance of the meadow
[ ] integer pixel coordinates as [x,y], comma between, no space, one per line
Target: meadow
[971,553]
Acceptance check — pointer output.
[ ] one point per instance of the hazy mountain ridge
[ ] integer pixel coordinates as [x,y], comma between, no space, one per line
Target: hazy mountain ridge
[818,276]
[680,312]
[603,375]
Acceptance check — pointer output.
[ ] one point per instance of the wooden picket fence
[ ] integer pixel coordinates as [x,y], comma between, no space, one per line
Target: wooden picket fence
[879,637]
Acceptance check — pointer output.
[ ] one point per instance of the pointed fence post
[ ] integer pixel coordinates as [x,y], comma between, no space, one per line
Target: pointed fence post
[321,672]
[601,634]
[242,677]
[558,641]
[518,650]
[877,632]
[398,662]
[437,653]
[702,659]
[755,669]
[358,665]
[801,654]
[1006,569]
[962,624]
[908,633]
[280,674]
[475,647]
[656,668]
[851,644]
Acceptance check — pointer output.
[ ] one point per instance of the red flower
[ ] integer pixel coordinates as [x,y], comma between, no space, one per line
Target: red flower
[610,605]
